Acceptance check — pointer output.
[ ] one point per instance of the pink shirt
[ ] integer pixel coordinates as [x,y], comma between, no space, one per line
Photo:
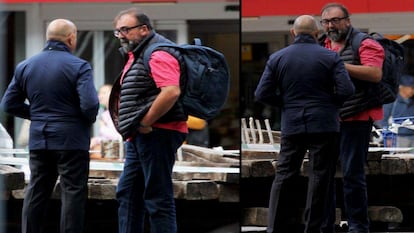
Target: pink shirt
[165,71]
[371,53]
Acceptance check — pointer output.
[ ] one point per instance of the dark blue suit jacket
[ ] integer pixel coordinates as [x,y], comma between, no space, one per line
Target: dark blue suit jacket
[313,83]
[63,102]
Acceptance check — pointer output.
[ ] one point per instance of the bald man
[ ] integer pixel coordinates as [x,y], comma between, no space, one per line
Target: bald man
[305,24]
[309,83]
[62,30]
[62,106]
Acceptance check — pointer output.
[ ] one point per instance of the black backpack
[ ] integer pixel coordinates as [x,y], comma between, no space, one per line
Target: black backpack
[207,79]
[391,68]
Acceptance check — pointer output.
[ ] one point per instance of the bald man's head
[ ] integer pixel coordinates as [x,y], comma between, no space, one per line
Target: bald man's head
[62,30]
[305,24]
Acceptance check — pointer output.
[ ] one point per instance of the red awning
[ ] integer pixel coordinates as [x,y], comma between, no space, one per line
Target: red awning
[103,1]
[256,8]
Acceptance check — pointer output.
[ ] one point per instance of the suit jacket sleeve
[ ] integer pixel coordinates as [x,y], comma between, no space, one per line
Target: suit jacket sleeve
[266,91]
[13,101]
[88,96]
[344,87]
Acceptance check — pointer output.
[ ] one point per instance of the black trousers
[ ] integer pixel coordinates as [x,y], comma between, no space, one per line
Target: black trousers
[285,201]
[72,168]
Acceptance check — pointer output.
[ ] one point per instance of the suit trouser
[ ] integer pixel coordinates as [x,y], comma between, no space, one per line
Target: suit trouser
[283,208]
[45,167]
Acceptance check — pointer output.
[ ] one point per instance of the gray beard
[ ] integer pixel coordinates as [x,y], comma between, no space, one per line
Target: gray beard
[337,35]
[128,46]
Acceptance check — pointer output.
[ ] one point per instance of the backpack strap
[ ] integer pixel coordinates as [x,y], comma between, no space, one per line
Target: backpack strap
[151,48]
[356,40]
[376,35]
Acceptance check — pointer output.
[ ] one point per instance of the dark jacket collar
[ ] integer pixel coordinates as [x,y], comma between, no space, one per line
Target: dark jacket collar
[304,38]
[352,31]
[56,45]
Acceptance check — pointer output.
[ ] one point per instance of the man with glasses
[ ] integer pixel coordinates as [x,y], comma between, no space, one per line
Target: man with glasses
[152,122]
[356,117]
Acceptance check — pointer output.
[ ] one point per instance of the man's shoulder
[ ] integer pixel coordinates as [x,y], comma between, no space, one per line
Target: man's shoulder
[363,39]
[371,42]
[164,56]
[161,48]
[71,58]
[30,60]
[158,39]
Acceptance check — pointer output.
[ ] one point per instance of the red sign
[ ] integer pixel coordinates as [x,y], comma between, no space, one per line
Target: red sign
[85,1]
[102,1]
[255,8]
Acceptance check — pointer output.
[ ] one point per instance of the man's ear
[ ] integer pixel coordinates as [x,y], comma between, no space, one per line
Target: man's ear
[316,35]
[292,33]
[145,30]
[69,40]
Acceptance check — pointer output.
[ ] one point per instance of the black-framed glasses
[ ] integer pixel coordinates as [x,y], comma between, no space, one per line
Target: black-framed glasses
[334,21]
[125,30]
